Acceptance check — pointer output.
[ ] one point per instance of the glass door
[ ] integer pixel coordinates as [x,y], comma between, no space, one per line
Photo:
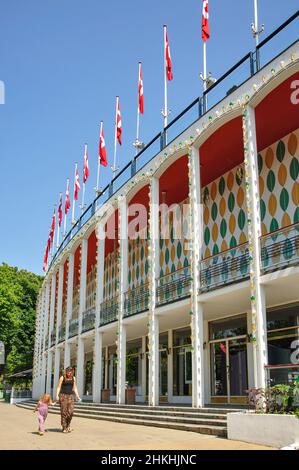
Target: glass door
[229,370]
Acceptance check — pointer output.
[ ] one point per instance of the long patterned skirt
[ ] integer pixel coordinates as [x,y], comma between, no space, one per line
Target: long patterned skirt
[66,409]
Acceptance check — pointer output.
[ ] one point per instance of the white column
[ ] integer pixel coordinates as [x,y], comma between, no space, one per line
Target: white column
[59,300]
[67,355]
[106,367]
[100,232]
[123,281]
[80,366]
[197,325]
[49,372]
[143,368]
[258,303]
[43,374]
[153,333]
[46,312]
[97,368]
[70,288]
[170,366]
[56,368]
[52,305]
[83,276]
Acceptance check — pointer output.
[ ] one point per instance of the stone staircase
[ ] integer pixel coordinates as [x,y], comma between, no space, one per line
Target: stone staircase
[209,420]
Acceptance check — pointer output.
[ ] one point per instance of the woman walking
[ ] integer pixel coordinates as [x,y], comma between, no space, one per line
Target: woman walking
[65,395]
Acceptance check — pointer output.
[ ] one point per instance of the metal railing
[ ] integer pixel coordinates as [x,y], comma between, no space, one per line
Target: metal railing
[224,268]
[136,300]
[109,311]
[280,249]
[88,319]
[61,334]
[243,70]
[173,286]
[73,327]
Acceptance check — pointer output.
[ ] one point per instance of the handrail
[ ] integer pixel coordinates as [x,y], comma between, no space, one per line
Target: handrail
[282,229]
[78,225]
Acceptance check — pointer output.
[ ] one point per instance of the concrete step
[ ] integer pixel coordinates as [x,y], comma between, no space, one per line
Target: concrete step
[204,425]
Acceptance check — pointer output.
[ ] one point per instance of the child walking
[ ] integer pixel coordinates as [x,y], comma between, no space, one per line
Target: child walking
[42,408]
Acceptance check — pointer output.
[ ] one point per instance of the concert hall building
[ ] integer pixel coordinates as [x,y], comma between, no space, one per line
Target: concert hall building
[200,317]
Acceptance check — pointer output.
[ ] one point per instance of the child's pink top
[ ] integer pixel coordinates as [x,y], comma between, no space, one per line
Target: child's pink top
[42,408]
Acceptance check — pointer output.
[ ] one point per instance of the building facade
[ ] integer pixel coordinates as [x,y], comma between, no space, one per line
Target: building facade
[202,316]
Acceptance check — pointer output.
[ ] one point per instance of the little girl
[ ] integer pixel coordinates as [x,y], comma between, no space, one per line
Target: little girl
[42,408]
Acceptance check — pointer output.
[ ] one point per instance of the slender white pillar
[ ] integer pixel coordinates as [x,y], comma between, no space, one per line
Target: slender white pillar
[83,278]
[52,305]
[56,368]
[153,333]
[258,303]
[67,355]
[70,288]
[46,313]
[197,325]
[80,366]
[97,368]
[49,372]
[143,368]
[100,232]
[123,281]
[59,300]
[106,366]
[43,374]
[170,366]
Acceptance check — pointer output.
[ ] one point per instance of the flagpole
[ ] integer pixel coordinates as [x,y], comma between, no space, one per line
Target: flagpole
[99,164]
[165,113]
[255,26]
[115,139]
[138,114]
[53,242]
[205,74]
[58,228]
[74,200]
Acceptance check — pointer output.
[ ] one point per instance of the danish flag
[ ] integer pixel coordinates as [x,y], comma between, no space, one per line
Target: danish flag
[46,258]
[140,90]
[118,121]
[52,231]
[67,203]
[60,210]
[168,62]
[102,147]
[205,32]
[76,183]
[85,166]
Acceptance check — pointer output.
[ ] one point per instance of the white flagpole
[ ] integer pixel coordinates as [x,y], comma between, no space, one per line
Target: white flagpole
[53,243]
[205,73]
[165,113]
[115,139]
[65,215]
[83,192]
[74,200]
[138,114]
[58,226]
[99,164]
[256,23]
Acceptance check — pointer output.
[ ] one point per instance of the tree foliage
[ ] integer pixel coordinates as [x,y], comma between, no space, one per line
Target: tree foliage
[18,296]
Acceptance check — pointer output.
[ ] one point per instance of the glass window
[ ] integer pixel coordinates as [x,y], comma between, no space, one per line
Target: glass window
[283,317]
[228,327]
[182,371]
[182,337]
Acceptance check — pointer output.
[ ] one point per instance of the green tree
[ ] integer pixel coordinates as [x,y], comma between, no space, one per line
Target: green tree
[18,296]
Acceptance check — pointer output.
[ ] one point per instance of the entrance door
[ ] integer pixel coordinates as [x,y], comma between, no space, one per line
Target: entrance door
[229,370]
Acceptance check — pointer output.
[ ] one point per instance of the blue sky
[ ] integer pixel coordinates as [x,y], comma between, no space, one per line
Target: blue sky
[64,61]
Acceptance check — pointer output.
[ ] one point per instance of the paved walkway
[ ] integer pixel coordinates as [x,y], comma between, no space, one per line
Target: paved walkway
[18,430]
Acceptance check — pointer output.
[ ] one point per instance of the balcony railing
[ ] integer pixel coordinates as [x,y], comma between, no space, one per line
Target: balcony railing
[248,66]
[53,338]
[136,300]
[61,334]
[280,249]
[88,319]
[173,286]
[109,310]
[224,268]
[73,327]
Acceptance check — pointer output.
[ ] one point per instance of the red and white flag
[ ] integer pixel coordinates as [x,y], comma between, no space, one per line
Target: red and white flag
[60,210]
[76,183]
[46,258]
[102,147]
[140,90]
[118,121]
[85,166]
[205,32]
[168,63]
[53,225]
[67,203]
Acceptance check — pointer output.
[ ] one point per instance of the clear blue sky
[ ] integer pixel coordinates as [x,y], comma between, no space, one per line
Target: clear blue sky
[64,61]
